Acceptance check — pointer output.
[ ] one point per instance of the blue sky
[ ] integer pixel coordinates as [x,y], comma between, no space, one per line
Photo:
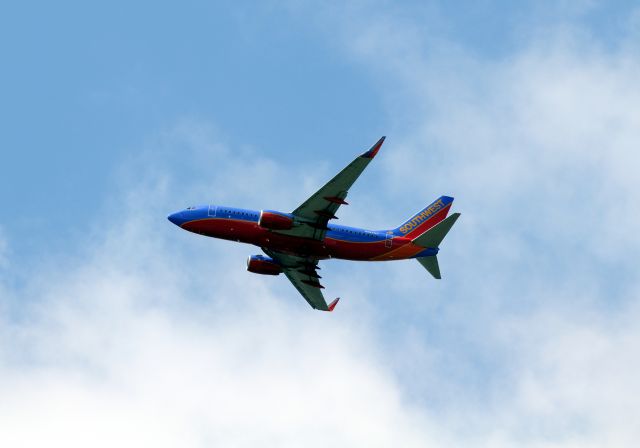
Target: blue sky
[84,86]
[117,328]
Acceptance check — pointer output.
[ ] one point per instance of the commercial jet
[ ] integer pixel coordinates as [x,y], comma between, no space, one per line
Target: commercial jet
[294,243]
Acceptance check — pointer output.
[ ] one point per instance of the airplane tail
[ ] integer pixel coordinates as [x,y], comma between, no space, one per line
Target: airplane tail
[425,218]
[431,239]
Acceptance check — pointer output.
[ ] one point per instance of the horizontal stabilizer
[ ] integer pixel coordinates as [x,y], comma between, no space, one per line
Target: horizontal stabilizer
[431,265]
[434,236]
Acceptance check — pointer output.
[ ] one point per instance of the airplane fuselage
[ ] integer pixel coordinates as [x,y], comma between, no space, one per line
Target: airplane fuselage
[342,242]
[294,243]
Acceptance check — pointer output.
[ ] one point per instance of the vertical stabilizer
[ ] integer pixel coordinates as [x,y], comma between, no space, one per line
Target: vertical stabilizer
[426,218]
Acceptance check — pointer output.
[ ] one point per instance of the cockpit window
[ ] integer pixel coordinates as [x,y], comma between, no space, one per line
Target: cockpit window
[191,208]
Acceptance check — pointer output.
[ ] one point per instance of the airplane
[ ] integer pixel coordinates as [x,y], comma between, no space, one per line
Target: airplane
[294,243]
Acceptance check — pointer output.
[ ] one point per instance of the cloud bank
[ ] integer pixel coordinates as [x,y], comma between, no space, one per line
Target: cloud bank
[145,335]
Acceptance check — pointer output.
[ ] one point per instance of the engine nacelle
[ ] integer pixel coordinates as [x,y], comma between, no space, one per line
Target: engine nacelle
[260,264]
[273,220]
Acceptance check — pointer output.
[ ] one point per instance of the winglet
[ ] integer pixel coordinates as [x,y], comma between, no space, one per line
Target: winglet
[374,149]
[333,304]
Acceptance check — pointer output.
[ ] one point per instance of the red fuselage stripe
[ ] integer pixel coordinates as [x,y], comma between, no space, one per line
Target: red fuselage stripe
[250,232]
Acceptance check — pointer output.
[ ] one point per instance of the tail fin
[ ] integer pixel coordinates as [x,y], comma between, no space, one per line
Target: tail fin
[425,218]
[432,239]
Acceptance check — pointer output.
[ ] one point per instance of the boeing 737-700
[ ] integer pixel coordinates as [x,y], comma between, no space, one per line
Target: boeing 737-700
[294,243]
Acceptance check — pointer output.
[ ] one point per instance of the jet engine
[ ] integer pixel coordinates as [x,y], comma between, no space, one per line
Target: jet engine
[275,220]
[260,264]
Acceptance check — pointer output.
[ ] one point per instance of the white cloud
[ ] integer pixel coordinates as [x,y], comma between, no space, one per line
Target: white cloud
[149,337]
[540,150]
[549,134]
[146,338]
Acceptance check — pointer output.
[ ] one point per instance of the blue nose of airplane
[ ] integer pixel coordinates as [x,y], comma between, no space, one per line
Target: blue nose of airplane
[176,218]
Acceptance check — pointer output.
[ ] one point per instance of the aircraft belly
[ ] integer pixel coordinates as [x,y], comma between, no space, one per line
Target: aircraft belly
[292,245]
[329,248]
[250,232]
[372,250]
[229,229]
[349,250]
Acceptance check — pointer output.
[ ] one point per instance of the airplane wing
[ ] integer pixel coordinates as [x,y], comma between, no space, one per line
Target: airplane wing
[315,212]
[302,273]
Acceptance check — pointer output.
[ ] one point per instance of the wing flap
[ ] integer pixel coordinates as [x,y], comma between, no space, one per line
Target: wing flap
[302,273]
[312,294]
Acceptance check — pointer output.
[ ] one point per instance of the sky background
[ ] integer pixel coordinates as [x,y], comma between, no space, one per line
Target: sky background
[118,329]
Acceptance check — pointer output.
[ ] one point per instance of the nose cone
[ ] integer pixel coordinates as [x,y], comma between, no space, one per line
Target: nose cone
[176,218]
